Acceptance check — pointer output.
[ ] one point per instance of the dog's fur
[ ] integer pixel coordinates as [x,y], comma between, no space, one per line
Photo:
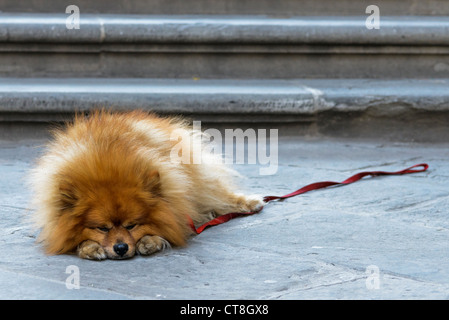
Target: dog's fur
[107,187]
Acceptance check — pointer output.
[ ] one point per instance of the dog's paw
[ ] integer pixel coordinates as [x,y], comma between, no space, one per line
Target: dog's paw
[91,250]
[253,202]
[150,244]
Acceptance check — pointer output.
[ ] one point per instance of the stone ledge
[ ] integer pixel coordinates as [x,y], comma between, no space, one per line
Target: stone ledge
[300,97]
[278,8]
[110,28]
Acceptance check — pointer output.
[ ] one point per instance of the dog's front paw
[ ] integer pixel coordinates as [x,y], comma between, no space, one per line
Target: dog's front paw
[91,250]
[150,244]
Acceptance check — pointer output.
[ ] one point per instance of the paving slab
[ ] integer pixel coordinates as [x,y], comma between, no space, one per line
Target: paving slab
[380,238]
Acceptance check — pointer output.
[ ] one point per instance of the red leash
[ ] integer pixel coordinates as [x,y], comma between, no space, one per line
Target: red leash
[314,186]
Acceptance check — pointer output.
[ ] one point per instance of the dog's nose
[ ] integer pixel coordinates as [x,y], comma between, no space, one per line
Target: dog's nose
[120,248]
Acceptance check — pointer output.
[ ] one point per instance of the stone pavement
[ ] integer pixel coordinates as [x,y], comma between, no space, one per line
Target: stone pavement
[380,238]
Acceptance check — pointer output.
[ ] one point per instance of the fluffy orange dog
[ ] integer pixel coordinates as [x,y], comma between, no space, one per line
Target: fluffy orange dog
[108,188]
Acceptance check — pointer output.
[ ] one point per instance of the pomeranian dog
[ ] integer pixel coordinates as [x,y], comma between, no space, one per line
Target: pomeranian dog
[106,187]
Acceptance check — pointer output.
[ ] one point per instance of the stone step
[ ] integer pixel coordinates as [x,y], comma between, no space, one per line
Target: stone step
[41,99]
[220,47]
[144,29]
[269,7]
[398,110]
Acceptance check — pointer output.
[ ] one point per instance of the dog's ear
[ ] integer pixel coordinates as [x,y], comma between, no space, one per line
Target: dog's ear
[153,182]
[67,196]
